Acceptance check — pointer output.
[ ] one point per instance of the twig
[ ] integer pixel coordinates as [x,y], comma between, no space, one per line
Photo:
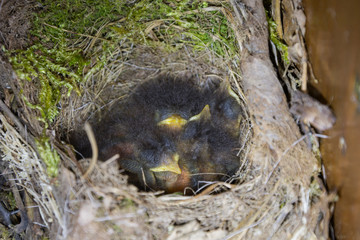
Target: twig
[237,13]
[80,34]
[22,129]
[279,26]
[19,203]
[206,192]
[94,149]
[110,160]
[207,9]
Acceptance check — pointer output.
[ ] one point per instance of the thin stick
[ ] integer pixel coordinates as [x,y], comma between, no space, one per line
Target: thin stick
[80,34]
[22,130]
[94,148]
[110,160]
[24,217]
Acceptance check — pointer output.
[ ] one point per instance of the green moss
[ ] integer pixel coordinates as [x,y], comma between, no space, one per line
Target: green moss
[55,63]
[73,17]
[10,204]
[8,198]
[274,37]
[174,24]
[55,71]
[314,189]
[282,204]
[5,233]
[127,203]
[49,156]
[117,229]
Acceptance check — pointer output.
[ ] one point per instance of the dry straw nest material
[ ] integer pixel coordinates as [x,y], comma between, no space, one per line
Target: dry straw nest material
[277,195]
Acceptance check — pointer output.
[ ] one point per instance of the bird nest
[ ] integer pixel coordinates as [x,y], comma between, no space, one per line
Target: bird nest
[276,192]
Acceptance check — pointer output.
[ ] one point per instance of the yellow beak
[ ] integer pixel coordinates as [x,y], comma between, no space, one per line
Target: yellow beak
[174,121]
[204,114]
[233,94]
[170,166]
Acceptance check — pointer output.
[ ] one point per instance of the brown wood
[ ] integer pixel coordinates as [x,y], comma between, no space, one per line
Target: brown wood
[333,39]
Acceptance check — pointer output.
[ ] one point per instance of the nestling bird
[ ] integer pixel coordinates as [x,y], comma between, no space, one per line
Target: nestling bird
[172,134]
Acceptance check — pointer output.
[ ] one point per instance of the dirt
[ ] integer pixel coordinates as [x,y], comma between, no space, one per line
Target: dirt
[14,34]
[15,21]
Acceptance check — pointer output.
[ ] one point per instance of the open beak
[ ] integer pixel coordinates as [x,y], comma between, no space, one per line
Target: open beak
[170,165]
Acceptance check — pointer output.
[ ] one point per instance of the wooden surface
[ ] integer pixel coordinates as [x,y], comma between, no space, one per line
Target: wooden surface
[333,39]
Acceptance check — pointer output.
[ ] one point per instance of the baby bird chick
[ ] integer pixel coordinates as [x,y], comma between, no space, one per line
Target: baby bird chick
[170,134]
